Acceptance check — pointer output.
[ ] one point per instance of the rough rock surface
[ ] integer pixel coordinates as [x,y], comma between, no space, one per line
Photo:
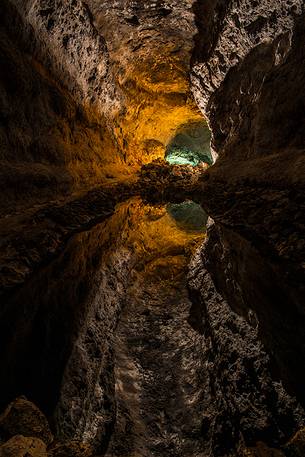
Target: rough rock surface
[131,239]
[149,45]
[71,448]
[94,88]
[244,400]
[25,432]
[248,78]
[51,143]
[20,446]
[33,237]
[22,417]
[157,355]
[89,88]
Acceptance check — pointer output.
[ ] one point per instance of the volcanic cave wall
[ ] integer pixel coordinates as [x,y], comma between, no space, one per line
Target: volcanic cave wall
[72,113]
[62,341]
[248,77]
[53,139]
[150,46]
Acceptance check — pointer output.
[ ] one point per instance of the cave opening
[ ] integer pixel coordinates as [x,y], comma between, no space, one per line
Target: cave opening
[190,145]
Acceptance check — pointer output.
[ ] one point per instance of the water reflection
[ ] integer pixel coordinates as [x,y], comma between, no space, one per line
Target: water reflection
[96,312]
[189,216]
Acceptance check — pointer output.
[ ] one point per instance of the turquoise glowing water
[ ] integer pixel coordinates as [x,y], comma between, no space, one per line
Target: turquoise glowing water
[188,216]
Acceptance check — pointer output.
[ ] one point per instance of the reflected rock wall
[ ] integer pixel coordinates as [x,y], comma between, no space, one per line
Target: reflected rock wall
[248,78]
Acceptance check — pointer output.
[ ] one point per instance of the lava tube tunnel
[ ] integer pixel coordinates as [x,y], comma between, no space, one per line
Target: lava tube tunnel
[151,296]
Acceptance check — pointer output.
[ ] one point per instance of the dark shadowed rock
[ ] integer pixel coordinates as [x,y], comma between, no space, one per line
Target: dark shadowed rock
[244,400]
[21,446]
[97,324]
[22,417]
[248,78]
[70,449]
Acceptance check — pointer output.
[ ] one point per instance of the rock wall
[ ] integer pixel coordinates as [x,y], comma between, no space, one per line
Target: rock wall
[245,401]
[60,352]
[52,140]
[248,79]
[89,89]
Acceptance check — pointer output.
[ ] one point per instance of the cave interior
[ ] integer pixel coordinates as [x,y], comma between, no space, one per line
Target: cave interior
[152,236]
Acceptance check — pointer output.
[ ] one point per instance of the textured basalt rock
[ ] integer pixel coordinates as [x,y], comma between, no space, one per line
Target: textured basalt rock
[34,237]
[87,109]
[150,46]
[94,89]
[72,308]
[127,247]
[245,400]
[71,448]
[249,79]
[26,433]
[91,90]
[52,142]
[20,446]
[22,417]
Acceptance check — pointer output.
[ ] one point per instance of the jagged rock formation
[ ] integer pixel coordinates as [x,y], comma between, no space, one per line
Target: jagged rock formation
[27,247]
[150,46]
[244,400]
[66,347]
[22,417]
[51,143]
[249,80]
[25,432]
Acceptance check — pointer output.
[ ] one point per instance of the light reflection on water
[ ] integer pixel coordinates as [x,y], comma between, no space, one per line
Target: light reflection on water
[83,289]
[189,216]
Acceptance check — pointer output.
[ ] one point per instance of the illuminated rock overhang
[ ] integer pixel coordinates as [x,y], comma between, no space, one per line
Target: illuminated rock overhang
[150,50]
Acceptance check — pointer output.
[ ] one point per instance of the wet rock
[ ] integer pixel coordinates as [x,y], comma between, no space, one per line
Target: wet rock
[244,401]
[248,79]
[75,70]
[161,181]
[22,417]
[70,449]
[20,446]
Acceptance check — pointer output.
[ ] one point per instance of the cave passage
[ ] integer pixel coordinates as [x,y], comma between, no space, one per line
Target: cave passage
[133,322]
[190,145]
